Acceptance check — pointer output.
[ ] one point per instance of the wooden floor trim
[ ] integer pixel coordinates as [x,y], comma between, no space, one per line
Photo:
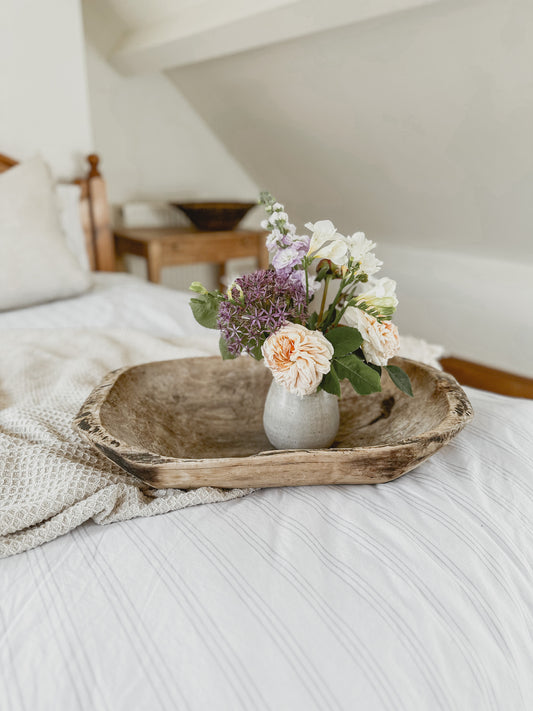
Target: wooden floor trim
[480,376]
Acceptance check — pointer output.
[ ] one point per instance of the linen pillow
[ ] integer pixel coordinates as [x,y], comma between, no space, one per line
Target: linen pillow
[35,262]
[68,200]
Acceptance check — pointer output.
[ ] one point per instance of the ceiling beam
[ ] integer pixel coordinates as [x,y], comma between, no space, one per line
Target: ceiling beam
[214,29]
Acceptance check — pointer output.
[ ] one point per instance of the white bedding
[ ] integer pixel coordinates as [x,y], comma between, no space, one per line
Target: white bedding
[415,595]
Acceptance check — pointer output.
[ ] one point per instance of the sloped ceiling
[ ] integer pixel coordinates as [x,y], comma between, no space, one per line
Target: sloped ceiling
[164,33]
[415,128]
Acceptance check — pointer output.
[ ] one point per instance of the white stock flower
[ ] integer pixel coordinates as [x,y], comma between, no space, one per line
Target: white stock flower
[276,217]
[278,207]
[361,250]
[359,245]
[381,341]
[288,257]
[370,264]
[273,240]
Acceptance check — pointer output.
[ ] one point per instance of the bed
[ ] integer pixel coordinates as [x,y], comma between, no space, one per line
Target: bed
[411,595]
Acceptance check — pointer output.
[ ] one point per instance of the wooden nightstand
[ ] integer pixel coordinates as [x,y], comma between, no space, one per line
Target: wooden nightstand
[177,246]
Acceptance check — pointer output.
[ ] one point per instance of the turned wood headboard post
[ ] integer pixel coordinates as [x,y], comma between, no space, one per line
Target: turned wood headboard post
[100,219]
[95,214]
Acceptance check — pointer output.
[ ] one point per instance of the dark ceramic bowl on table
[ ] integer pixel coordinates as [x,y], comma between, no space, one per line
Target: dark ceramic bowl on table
[215,216]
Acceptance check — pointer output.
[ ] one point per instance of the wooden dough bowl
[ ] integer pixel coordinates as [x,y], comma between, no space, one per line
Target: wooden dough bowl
[198,422]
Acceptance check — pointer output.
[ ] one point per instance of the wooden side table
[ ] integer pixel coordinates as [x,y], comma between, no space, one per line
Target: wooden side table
[178,246]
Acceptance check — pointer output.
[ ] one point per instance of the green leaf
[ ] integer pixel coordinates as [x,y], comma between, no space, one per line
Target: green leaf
[331,383]
[256,352]
[344,340]
[364,380]
[375,367]
[312,321]
[400,378]
[224,352]
[205,310]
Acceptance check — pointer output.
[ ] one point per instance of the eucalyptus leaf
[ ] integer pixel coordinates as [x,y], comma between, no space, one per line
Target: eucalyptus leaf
[364,379]
[224,352]
[400,378]
[344,340]
[331,383]
[205,310]
[256,353]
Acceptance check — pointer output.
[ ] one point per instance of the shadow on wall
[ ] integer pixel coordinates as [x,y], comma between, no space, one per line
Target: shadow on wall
[154,146]
[415,128]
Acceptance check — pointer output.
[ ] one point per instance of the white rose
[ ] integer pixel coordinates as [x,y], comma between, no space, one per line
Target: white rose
[381,341]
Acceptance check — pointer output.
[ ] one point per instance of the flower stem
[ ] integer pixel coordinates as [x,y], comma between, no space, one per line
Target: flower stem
[340,314]
[323,304]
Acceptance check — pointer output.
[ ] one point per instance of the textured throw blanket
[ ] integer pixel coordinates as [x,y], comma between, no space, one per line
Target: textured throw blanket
[51,479]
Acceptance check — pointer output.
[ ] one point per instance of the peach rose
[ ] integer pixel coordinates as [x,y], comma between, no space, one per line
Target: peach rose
[298,358]
[381,341]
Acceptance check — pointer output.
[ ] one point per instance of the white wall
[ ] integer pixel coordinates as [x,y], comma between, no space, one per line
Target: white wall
[153,144]
[415,127]
[43,86]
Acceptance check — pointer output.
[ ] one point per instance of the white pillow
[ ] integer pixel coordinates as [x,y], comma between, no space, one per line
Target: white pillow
[68,200]
[35,262]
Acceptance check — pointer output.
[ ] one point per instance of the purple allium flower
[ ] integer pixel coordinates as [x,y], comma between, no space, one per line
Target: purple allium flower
[261,303]
[297,276]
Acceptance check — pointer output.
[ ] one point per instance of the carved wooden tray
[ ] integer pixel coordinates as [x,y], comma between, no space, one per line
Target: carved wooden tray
[198,422]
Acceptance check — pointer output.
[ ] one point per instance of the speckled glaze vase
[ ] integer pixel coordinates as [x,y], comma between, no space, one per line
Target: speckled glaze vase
[294,422]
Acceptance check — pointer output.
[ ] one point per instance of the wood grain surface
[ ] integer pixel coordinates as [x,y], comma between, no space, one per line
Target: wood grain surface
[198,422]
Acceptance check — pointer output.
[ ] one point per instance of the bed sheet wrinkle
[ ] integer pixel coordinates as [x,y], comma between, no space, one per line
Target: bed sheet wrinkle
[415,595]
[383,605]
[356,581]
[131,622]
[294,655]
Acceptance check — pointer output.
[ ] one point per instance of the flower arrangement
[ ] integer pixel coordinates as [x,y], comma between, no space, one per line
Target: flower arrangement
[271,315]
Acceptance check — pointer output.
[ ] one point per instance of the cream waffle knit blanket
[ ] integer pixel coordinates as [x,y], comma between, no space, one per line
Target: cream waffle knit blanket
[51,479]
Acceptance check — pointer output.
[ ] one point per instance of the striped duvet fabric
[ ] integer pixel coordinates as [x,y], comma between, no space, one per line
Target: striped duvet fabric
[411,595]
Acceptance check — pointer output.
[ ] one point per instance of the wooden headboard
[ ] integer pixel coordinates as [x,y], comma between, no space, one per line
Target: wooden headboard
[95,214]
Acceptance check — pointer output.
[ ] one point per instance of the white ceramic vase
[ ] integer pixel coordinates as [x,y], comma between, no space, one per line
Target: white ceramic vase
[294,422]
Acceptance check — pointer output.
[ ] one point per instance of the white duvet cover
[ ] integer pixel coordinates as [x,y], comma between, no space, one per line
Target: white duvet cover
[411,595]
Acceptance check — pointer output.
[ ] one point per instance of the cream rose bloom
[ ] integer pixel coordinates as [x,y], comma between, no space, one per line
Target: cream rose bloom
[298,358]
[381,341]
